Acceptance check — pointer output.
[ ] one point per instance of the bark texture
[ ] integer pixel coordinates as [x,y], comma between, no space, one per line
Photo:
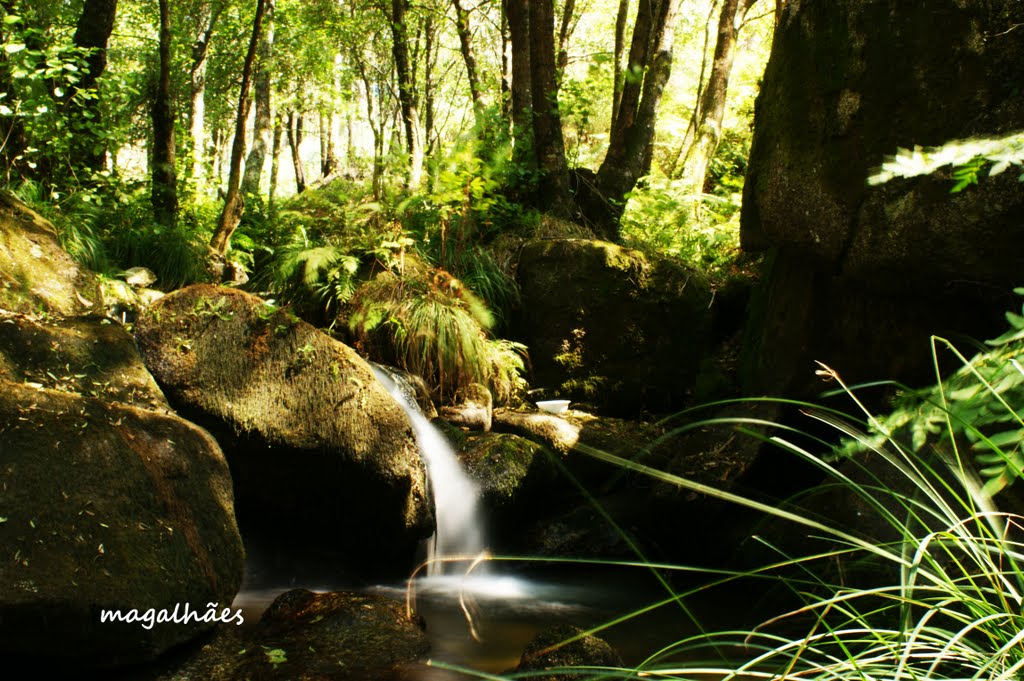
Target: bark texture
[234,202]
[164,178]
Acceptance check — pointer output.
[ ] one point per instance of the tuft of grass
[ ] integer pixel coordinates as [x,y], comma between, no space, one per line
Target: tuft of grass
[433,326]
[946,597]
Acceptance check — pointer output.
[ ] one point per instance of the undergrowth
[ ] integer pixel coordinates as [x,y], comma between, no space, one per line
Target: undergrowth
[944,597]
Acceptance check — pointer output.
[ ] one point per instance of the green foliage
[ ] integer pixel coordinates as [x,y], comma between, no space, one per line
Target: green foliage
[76,218]
[974,407]
[946,587]
[968,158]
[431,325]
[702,231]
[45,100]
[300,272]
[175,254]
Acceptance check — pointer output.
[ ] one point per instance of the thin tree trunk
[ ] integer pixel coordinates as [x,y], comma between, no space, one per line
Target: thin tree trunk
[376,128]
[350,142]
[691,128]
[164,188]
[553,192]
[261,95]
[95,25]
[632,139]
[328,159]
[275,163]
[197,95]
[712,106]
[518,15]
[295,143]
[506,72]
[620,49]
[234,202]
[466,46]
[215,156]
[563,37]
[407,92]
[430,58]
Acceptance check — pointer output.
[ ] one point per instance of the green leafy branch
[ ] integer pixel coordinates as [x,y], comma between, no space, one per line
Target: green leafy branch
[968,157]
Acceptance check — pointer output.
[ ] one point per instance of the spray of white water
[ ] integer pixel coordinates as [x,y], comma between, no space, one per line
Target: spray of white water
[456,509]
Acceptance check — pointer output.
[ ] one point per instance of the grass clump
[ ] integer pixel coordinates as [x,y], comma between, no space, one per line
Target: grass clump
[944,598]
[430,324]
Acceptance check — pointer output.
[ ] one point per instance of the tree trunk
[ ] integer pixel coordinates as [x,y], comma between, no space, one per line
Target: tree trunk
[209,12]
[164,190]
[517,12]
[712,104]
[553,193]
[377,128]
[563,37]
[234,202]
[92,33]
[632,139]
[261,96]
[620,49]
[429,60]
[275,164]
[466,46]
[691,128]
[506,72]
[294,143]
[407,92]
[328,159]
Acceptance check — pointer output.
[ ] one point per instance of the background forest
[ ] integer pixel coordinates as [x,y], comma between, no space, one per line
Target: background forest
[143,130]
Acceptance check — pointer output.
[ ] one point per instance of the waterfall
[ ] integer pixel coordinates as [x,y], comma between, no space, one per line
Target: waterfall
[456,497]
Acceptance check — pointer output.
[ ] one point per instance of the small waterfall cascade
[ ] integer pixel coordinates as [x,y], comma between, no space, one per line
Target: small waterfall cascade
[460,530]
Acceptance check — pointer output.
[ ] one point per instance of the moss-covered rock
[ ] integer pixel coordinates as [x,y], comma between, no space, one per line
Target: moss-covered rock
[848,83]
[316,445]
[106,506]
[306,636]
[555,519]
[550,651]
[516,478]
[36,274]
[609,326]
[90,356]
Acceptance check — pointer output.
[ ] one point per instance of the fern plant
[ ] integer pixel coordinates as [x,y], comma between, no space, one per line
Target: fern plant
[973,407]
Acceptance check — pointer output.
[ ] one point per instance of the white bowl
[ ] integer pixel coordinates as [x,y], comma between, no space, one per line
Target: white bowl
[553,406]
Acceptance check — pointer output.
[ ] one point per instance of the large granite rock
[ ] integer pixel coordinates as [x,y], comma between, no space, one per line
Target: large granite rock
[36,274]
[864,275]
[307,636]
[106,506]
[610,327]
[317,446]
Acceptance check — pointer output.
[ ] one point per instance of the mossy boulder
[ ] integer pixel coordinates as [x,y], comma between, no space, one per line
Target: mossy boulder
[307,636]
[36,274]
[516,477]
[865,274]
[611,327]
[106,506]
[317,446]
[90,356]
[566,646]
[606,456]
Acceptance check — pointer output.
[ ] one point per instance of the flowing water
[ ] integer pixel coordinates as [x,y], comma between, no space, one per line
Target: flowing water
[460,526]
[479,617]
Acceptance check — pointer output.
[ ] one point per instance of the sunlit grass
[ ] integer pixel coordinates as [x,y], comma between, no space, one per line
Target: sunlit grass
[952,605]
